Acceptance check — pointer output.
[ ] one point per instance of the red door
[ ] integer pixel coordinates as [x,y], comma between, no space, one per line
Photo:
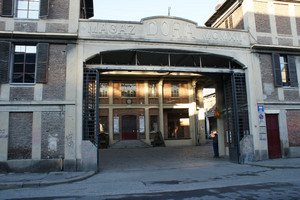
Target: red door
[274,147]
[129,131]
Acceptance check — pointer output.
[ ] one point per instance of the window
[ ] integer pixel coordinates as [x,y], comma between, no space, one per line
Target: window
[103,121]
[285,73]
[175,90]
[128,90]
[24,64]
[154,123]
[103,90]
[152,90]
[284,70]
[28,9]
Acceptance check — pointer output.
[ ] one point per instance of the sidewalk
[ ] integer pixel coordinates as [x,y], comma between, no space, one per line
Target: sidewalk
[21,180]
[152,160]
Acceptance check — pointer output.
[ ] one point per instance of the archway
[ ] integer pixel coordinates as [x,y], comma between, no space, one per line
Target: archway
[171,80]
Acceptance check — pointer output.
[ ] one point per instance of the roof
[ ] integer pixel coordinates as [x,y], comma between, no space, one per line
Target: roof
[221,9]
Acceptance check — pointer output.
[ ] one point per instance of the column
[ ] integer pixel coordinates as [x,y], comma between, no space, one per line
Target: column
[220,122]
[201,118]
[36,135]
[4,125]
[161,106]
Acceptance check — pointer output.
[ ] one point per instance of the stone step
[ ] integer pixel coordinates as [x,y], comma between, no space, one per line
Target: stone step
[128,144]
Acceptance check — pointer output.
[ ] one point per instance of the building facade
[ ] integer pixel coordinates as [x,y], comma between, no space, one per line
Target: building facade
[65,79]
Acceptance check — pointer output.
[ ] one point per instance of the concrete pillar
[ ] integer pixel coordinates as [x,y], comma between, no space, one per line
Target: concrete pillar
[147,128]
[161,106]
[201,117]
[4,125]
[111,125]
[192,110]
[70,135]
[220,122]
[36,135]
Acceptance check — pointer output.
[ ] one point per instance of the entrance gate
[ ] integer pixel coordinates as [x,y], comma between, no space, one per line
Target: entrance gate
[237,123]
[90,101]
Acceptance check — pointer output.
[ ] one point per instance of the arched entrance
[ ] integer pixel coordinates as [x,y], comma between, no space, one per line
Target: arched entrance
[162,88]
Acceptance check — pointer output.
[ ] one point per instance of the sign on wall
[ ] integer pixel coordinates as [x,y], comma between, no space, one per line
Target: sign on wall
[142,124]
[116,124]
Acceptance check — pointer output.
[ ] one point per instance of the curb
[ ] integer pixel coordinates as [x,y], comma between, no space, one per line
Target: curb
[275,166]
[42,183]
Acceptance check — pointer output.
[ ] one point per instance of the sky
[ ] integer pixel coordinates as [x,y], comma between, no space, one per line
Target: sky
[134,10]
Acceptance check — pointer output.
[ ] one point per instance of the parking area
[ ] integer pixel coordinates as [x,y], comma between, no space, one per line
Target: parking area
[153,158]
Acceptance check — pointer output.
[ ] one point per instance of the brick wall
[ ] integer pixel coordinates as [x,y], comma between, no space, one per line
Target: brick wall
[282,18]
[291,95]
[55,87]
[140,94]
[262,20]
[53,134]
[269,90]
[20,135]
[21,94]
[59,9]
[293,125]
[183,93]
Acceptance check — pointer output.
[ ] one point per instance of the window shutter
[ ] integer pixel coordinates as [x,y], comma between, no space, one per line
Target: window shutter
[292,71]
[44,8]
[7,8]
[277,70]
[42,62]
[4,61]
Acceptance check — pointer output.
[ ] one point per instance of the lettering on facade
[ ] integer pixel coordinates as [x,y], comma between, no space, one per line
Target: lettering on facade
[170,29]
[112,29]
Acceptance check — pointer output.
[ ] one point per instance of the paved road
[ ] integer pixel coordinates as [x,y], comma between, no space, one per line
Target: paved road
[171,173]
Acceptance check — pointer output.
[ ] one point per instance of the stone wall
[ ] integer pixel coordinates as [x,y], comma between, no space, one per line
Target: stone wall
[20,136]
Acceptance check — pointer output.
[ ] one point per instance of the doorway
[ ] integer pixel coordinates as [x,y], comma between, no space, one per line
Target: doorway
[274,147]
[129,128]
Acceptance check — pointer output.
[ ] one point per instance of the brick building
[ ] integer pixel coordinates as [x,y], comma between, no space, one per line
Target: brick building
[66,78]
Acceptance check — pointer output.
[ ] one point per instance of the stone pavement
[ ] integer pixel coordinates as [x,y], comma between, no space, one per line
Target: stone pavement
[138,159]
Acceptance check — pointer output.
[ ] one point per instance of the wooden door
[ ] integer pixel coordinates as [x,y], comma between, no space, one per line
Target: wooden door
[129,128]
[273,137]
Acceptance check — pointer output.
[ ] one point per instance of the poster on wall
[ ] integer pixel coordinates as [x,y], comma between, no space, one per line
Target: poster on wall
[142,124]
[116,124]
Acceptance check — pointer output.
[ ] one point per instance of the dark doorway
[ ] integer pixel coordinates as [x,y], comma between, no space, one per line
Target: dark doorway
[273,136]
[129,129]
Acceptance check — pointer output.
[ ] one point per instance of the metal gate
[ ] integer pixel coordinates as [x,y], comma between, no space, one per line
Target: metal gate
[237,123]
[90,105]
